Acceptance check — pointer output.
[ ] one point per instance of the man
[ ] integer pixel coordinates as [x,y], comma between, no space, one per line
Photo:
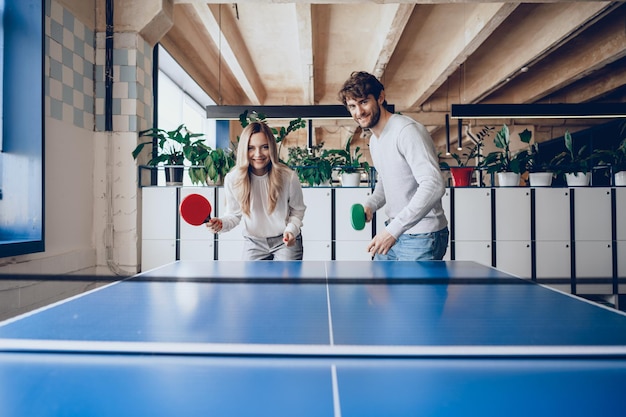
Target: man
[409,185]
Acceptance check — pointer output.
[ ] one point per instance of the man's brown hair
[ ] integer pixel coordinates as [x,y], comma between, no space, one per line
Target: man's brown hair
[360,85]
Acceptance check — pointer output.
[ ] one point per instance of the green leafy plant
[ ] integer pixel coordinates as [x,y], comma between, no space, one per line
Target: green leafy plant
[209,164]
[571,161]
[248,117]
[347,160]
[616,158]
[463,159]
[314,165]
[472,151]
[536,161]
[504,160]
[173,146]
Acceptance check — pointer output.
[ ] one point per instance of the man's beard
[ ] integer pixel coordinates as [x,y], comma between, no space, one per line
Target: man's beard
[375,117]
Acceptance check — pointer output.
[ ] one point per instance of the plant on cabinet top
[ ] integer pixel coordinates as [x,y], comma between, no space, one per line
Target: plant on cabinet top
[571,161]
[505,160]
[173,146]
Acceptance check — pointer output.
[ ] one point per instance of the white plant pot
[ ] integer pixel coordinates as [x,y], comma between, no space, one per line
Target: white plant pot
[508,179]
[578,179]
[540,179]
[620,178]
[351,179]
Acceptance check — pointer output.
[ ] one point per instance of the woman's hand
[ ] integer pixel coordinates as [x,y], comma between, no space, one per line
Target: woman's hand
[215,225]
[289,239]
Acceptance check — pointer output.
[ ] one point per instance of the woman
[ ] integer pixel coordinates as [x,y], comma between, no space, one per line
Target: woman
[265,194]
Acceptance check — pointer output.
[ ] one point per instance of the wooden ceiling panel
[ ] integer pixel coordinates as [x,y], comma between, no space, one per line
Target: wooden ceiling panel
[429,54]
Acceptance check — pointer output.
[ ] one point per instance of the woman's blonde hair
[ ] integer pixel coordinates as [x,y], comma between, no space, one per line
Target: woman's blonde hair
[276,169]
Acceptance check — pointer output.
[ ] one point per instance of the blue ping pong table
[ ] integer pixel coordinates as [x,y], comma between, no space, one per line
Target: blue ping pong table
[311,338]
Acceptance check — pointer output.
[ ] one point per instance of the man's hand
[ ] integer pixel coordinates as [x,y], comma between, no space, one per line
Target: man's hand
[381,243]
[368,214]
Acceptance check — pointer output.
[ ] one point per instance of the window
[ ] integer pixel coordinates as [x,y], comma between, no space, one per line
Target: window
[21,154]
[180,100]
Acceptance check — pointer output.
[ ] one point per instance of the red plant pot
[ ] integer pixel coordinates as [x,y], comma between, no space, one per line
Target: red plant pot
[461,176]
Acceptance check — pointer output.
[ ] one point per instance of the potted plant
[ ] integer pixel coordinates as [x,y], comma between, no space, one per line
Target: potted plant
[462,172]
[209,166]
[247,117]
[504,162]
[314,165]
[575,166]
[616,158]
[172,147]
[349,163]
[539,173]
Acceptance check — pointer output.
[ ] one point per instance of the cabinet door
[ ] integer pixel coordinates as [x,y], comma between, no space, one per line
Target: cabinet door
[158,226]
[512,216]
[514,257]
[552,214]
[552,232]
[472,224]
[197,242]
[594,260]
[472,214]
[620,209]
[445,202]
[512,222]
[592,214]
[593,235]
[229,244]
[553,263]
[317,229]
[350,244]
[477,251]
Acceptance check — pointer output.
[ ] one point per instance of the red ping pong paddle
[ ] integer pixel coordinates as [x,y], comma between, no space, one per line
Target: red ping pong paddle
[195,209]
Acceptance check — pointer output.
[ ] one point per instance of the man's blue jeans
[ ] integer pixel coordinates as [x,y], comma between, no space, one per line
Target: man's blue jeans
[418,247]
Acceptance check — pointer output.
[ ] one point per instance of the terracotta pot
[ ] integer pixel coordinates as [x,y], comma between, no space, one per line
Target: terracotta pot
[461,176]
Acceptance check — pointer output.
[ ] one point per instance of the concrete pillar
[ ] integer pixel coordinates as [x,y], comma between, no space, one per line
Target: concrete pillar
[137,27]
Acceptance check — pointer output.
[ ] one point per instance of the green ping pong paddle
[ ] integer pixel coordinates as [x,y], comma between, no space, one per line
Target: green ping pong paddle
[357,216]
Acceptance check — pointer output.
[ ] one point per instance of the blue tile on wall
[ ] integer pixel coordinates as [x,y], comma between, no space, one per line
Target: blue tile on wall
[79,83]
[99,74]
[100,122]
[79,47]
[56,70]
[56,109]
[90,37]
[68,20]
[68,94]
[120,57]
[88,104]
[56,31]
[128,74]
[132,90]
[88,69]
[68,57]
[132,123]
[117,106]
